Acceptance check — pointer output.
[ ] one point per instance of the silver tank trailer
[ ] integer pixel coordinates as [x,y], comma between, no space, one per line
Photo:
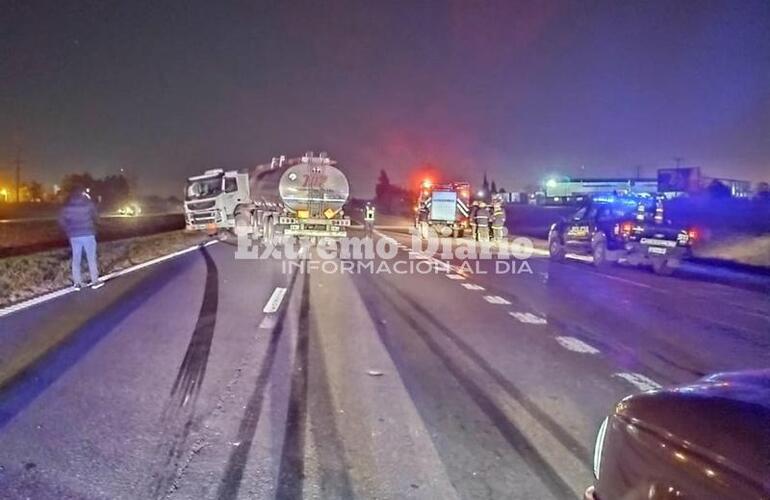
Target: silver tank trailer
[314,187]
[311,184]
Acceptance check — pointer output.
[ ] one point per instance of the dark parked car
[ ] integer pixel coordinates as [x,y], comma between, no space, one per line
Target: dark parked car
[627,227]
[708,440]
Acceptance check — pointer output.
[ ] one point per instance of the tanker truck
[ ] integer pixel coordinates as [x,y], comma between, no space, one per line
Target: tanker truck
[301,196]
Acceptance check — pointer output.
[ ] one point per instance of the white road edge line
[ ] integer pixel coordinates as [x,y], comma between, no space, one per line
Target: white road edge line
[64,291]
[576,345]
[641,382]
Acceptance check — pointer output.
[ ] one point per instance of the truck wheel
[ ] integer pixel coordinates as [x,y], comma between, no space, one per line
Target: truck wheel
[599,252]
[269,232]
[662,267]
[242,222]
[555,249]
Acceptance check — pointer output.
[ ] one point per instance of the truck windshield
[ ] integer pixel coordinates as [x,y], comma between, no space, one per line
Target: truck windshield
[203,188]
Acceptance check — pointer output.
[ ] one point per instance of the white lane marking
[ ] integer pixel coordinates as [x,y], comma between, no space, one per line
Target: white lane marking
[528,318]
[496,299]
[64,291]
[274,302]
[454,276]
[639,381]
[472,286]
[576,345]
[442,266]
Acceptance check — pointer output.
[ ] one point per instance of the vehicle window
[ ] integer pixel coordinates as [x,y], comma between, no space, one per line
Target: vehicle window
[204,188]
[230,185]
[580,214]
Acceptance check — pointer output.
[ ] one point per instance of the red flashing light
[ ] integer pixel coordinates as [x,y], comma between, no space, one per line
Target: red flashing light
[692,234]
[426,183]
[626,228]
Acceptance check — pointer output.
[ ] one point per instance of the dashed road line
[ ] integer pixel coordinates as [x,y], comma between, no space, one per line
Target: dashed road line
[641,382]
[576,345]
[496,299]
[526,317]
[472,286]
[274,302]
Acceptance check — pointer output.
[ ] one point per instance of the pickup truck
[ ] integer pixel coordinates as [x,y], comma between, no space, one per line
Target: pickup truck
[622,228]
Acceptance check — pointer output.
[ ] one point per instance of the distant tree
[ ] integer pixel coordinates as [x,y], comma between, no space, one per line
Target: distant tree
[717,189]
[383,185]
[763,191]
[112,190]
[493,188]
[32,191]
[502,190]
[73,181]
[485,184]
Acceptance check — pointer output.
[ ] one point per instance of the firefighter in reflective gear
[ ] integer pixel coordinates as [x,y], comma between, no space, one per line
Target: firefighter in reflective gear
[498,218]
[472,217]
[369,219]
[481,218]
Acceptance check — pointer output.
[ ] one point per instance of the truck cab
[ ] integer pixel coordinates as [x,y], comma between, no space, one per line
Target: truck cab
[211,199]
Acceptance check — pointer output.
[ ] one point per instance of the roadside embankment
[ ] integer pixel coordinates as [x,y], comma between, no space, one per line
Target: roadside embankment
[24,236]
[30,275]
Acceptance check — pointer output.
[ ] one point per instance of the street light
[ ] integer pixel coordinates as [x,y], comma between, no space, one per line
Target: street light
[551,182]
[4,194]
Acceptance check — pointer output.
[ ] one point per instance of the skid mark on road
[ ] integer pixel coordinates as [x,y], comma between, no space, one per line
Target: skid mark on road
[236,463]
[178,414]
[292,467]
[513,435]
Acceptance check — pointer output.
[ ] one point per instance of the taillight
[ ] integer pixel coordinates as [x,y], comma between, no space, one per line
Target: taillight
[626,228]
[692,235]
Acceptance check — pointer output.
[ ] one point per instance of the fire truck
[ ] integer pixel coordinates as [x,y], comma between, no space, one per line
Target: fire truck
[443,209]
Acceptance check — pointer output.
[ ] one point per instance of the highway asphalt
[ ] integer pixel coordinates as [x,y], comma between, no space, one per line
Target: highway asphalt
[211,377]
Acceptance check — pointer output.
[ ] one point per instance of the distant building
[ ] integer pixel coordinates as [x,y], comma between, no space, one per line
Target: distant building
[689,180]
[567,191]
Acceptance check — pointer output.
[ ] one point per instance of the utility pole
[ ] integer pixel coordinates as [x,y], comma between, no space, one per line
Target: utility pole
[18,174]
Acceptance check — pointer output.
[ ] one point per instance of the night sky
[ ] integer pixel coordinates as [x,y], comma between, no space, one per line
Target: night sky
[519,89]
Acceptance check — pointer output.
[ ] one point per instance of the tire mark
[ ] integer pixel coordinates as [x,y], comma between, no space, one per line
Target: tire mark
[179,413]
[292,469]
[577,449]
[518,441]
[236,463]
